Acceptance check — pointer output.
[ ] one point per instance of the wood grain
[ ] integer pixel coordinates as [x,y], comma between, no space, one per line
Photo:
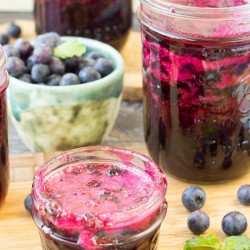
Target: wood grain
[17,230]
[131,53]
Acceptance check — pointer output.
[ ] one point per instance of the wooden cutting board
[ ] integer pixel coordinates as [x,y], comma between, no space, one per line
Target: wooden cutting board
[131,54]
[17,230]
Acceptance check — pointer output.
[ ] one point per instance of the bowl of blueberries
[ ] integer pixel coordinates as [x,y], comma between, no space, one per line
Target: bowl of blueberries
[64,92]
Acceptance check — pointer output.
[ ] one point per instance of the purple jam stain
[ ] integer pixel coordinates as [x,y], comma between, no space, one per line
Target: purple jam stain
[196,106]
[105,20]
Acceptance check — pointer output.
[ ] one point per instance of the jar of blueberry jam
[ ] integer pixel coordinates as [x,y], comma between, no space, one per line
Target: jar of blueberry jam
[196,81]
[4,154]
[99,198]
[106,20]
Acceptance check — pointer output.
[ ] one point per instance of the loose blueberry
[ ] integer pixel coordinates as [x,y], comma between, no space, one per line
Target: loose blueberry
[11,51]
[23,46]
[13,30]
[88,74]
[54,80]
[94,55]
[104,66]
[26,78]
[42,54]
[198,222]
[57,66]
[69,79]
[28,203]
[15,66]
[40,73]
[4,39]
[113,172]
[243,194]
[193,198]
[234,223]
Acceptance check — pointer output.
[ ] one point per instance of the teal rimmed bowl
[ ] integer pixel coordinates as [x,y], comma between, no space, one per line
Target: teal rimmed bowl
[52,118]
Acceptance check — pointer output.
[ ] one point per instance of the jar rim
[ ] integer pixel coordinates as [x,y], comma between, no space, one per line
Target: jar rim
[145,209]
[194,11]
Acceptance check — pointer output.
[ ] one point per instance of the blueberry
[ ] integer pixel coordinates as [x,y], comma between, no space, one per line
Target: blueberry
[199,159]
[26,78]
[198,222]
[94,55]
[15,66]
[193,198]
[28,203]
[83,62]
[4,39]
[71,64]
[113,172]
[50,39]
[243,194]
[104,66]
[227,162]
[69,79]
[54,80]
[23,46]
[234,223]
[30,62]
[42,54]
[88,74]
[57,66]
[40,73]
[94,183]
[11,51]
[13,30]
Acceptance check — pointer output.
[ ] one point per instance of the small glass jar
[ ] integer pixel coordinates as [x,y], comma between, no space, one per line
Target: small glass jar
[99,198]
[4,150]
[106,20]
[196,78]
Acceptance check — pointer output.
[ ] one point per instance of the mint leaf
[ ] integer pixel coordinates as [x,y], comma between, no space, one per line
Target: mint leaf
[203,242]
[237,243]
[70,49]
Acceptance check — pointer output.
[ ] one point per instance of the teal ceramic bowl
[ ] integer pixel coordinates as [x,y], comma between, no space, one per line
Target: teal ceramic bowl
[52,118]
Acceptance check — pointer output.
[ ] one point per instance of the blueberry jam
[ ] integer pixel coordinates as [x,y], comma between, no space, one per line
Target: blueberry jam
[196,106]
[105,20]
[96,205]
[4,150]
[4,160]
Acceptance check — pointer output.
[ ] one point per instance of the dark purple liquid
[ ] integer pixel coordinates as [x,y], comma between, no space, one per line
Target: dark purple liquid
[4,159]
[196,106]
[105,20]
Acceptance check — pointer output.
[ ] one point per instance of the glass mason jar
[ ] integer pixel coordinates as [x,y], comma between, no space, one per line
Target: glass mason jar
[4,150]
[86,199]
[105,20]
[196,78]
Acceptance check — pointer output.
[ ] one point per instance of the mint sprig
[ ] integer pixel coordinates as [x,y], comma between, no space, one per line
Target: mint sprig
[211,242]
[69,49]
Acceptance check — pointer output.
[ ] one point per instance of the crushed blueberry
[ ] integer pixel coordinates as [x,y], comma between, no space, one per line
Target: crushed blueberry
[114,172]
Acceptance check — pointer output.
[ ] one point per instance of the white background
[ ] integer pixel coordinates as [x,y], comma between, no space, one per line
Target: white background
[27,5]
